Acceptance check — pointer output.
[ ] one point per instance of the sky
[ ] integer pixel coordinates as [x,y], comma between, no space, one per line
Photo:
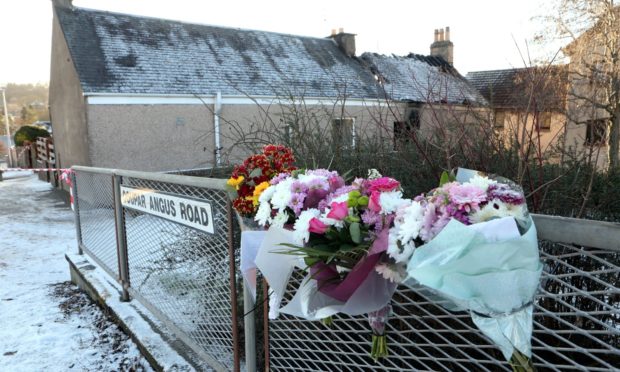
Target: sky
[487,34]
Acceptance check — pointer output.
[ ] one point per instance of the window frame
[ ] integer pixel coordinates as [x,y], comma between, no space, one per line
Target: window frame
[340,141]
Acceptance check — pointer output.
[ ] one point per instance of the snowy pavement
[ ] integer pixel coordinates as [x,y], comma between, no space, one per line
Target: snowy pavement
[46,324]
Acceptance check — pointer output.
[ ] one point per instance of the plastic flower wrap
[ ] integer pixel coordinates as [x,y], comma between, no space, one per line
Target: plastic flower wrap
[339,234]
[250,178]
[473,243]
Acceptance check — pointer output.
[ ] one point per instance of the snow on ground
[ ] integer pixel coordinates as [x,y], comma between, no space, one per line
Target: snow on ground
[46,324]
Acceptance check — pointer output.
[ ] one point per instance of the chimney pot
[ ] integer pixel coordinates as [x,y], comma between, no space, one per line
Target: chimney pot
[345,42]
[334,32]
[442,46]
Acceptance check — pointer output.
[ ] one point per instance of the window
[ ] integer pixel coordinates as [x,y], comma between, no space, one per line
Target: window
[343,132]
[405,130]
[596,131]
[544,122]
[500,118]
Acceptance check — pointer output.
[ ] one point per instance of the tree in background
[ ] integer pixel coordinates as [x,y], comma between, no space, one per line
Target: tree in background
[28,115]
[591,30]
[29,133]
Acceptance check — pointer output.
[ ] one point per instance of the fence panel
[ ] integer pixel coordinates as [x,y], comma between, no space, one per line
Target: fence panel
[576,326]
[95,210]
[182,274]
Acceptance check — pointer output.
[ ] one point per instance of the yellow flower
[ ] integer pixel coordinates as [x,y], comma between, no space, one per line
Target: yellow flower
[254,199]
[260,188]
[235,182]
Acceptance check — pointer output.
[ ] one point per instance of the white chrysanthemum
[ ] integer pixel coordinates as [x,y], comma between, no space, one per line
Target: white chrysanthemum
[390,201]
[411,223]
[267,194]
[481,182]
[263,214]
[301,233]
[373,174]
[400,252]
[498,209]
[282,194]
[340,199]
[279,219]
[393,273]
[307,178]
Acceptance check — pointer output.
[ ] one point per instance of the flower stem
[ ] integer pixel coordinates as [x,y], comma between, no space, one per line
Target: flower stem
[379,347]
[521,363]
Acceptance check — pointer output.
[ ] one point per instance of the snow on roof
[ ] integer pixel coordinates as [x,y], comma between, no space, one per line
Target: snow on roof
[420,78]
[119,53]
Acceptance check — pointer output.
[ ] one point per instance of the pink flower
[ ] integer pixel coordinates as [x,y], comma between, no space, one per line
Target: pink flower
[467,197]
[335,182]
[338,211]
[384,184]
[374,203]
[317,227]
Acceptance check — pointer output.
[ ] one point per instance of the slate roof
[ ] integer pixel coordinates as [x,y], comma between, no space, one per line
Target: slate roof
[419,78]
[120,53]
[513,88]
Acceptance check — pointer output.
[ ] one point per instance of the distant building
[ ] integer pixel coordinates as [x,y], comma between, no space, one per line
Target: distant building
[527,103]
[151,94]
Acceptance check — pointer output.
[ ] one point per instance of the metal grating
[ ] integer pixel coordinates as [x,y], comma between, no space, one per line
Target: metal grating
[576,326]
[96,216]
[184,273]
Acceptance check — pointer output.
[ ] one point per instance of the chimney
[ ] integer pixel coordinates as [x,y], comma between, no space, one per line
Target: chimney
[442,46]
[345,42]
[63,3]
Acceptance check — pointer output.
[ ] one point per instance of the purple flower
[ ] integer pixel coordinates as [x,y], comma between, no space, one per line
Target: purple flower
[298,187]
[314,197]
[504,193]
[322,172]
[297,202]
[279,178]
[318,183]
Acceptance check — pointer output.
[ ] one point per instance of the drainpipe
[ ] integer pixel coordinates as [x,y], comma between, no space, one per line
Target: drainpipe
[216,125]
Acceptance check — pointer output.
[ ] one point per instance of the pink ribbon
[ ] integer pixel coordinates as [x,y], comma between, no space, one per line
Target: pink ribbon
[325,275]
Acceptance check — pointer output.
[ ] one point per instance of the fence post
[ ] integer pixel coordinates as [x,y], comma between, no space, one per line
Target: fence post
[121,238]
[249,329]
[47,160]
[233,286]
[76,211]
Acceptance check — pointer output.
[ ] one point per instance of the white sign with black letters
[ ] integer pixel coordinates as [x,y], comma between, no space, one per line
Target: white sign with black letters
[188,212]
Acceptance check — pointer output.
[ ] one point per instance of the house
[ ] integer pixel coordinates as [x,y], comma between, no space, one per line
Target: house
[593,105]
[151,94]
[529,104]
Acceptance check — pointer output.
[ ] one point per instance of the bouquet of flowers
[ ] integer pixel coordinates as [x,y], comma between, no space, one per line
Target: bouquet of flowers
[473,243]
[250,178]
[339,234]
[247,182]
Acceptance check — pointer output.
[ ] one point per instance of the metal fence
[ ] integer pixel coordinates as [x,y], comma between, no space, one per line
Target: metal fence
[576,326]
[189,280]
[182,275]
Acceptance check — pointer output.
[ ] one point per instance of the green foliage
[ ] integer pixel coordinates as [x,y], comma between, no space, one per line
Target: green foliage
[29,133]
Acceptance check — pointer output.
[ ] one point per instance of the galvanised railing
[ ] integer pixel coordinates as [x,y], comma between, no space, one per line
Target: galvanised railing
[190,281]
